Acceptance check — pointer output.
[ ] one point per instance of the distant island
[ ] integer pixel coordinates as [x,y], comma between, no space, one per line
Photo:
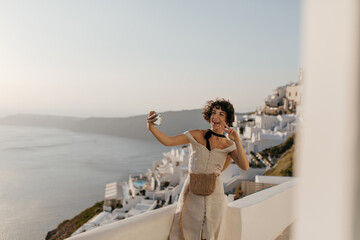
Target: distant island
[174,122]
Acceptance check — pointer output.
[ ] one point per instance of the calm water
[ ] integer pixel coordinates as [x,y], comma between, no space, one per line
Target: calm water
[49,175]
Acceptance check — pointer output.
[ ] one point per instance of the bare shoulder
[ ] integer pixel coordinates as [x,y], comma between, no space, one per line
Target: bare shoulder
[228,143]
[197,132]
[198,135]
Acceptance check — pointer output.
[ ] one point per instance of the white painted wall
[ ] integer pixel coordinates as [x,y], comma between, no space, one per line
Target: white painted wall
[265,121]
[153,225]
[249,218]
[262,215]
[272,179]
[294,93]
[328,160]
[249,130]
[234,170]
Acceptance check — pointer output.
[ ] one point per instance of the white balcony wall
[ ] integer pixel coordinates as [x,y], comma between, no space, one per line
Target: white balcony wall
[262,215]
[328,197]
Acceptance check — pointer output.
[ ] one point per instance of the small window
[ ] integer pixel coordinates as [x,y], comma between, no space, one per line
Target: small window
[289,94]
[295,94]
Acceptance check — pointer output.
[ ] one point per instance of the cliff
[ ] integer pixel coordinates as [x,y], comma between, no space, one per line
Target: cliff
[68,227]
[284,166]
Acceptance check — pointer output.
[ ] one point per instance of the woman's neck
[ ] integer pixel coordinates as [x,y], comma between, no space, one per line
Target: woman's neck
[218,131]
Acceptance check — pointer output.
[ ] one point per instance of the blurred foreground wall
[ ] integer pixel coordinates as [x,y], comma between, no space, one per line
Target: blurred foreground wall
[328,195]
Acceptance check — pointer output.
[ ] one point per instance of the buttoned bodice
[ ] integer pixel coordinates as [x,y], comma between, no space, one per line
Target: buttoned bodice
[204,161]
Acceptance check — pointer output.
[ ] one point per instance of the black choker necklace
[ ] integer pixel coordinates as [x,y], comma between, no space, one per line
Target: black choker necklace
[208,135]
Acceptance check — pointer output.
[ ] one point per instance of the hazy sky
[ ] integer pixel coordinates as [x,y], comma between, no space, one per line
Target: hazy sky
[120,58]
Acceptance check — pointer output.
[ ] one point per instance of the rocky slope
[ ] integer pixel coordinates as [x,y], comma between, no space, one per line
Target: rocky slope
[67,227]
[284,165]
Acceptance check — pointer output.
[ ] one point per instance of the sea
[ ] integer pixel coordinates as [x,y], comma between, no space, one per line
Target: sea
[50,175]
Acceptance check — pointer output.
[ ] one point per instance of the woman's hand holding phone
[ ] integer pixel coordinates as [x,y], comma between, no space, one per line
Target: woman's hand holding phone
[153,119]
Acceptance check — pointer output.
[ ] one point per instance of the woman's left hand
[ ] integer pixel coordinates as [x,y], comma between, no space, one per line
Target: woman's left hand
[231,132]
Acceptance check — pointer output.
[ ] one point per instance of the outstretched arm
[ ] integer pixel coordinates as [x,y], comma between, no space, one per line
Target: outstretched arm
[163,138]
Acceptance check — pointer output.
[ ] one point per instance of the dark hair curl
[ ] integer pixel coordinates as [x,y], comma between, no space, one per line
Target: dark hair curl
[222,104]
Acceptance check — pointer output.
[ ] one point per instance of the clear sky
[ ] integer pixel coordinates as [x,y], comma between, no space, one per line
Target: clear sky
[121,58]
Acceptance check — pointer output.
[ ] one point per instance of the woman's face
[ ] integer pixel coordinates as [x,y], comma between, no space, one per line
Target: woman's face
[217,118]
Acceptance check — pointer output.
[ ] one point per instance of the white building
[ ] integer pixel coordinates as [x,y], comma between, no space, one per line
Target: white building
[268,131]
[143,206]
[113,192]
[294,95]
[285,99]
[276,99]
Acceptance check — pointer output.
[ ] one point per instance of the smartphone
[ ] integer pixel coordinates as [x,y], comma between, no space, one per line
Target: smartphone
[158,120]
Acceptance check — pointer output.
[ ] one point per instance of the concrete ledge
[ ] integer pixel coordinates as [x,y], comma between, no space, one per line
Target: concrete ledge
[151,225]
[262,215]
[263,195]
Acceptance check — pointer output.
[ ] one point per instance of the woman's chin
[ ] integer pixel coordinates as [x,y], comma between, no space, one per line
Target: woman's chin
[215,127]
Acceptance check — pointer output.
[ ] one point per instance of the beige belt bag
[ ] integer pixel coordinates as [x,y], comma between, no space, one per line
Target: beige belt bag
[202,183]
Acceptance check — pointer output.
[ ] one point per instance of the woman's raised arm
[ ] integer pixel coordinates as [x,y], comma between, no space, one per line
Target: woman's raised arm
[239,154]
[163,138]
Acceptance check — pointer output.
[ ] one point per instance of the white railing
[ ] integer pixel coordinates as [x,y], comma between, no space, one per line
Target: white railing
[262,215]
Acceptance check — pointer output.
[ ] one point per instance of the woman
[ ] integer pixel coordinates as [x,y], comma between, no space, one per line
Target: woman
[202,202]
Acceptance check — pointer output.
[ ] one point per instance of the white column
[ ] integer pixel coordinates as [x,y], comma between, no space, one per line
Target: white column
[328,150]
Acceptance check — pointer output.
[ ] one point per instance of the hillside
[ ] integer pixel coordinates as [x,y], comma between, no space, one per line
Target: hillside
[68,227]
[284,165]
[174,122]
[135,127]
[61,122]
[278,150]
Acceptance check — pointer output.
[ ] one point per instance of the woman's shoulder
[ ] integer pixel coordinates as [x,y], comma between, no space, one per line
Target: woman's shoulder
[197,132]
[228,143]
[198,135]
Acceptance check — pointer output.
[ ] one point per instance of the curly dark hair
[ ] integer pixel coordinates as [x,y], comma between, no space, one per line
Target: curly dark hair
[222,104]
